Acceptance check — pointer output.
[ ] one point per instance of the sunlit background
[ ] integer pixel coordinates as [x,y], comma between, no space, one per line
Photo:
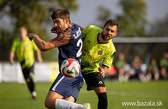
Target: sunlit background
[143,31]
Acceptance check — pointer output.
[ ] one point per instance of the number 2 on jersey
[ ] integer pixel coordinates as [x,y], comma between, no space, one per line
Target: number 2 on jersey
[79,43]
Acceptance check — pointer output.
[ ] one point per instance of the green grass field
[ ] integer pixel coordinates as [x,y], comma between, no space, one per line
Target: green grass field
[16,96]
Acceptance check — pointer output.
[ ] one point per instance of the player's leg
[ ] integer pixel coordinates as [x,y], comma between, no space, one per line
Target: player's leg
[29,81]
[32,83]
[55,100]
[64,92]
[102,97]
[64,104]
[50,99]
[95,82]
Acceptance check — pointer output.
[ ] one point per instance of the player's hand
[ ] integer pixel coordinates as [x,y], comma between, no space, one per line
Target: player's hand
[101,71]
[12,62]
[31,35]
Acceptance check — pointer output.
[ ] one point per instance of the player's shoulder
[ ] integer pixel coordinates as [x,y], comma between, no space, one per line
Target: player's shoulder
[27,40]
[93,27]
[111,43]
[17,40]
[110,46]
[76,27]
[70,33]
[73,28]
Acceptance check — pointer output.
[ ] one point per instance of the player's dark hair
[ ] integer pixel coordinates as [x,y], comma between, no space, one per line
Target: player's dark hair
[60,13]
[111,22]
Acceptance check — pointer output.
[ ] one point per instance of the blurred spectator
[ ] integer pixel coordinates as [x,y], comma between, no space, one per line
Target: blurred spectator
[153,71]
[120,66]
[164,66]
[24,49]
[136,71]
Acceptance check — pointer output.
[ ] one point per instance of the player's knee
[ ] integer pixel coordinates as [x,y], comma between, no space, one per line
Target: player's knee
[27,79]
[48,103]
[71,99]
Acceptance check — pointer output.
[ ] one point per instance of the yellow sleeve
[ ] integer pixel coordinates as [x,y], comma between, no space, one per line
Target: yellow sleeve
[85,31]
[108,60]
[34,46]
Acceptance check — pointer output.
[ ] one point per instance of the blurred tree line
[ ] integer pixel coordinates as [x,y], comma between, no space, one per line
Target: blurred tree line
[35,16]
[132,20]
[133,23]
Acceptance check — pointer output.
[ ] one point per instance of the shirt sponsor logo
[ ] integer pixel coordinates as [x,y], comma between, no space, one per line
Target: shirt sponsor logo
[86,50]
[100,52]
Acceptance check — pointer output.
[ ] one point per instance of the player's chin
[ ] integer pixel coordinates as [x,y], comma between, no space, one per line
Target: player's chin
[108,38]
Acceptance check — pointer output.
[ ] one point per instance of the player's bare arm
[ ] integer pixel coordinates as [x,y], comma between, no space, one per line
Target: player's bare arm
[41,44]
[12,57]
[39,56]
[60,40]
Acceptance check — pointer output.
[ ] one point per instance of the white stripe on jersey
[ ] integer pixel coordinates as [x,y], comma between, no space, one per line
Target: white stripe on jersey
[57,83]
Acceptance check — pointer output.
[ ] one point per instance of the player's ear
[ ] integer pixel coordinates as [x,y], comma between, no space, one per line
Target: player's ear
[115,33]
[67,21]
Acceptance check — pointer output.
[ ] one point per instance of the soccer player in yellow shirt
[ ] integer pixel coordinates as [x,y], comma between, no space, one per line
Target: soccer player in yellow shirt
[24,49]
[97,46]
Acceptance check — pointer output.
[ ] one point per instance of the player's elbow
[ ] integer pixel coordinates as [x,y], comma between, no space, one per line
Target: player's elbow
[49,103]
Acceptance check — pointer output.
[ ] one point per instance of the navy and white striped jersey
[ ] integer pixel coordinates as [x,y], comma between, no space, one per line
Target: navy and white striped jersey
[70,44]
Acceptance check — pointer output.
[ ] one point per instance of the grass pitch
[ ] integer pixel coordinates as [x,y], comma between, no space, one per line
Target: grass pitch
[145,95]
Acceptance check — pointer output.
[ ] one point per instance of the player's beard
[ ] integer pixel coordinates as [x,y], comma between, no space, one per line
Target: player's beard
[57,30]
[106,37]
[60,29]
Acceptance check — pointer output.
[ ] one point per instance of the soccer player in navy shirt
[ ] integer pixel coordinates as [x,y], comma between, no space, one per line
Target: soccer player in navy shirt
[64,91]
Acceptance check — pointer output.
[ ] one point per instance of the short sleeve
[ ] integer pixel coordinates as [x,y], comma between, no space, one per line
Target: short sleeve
[108,60]
[34,46]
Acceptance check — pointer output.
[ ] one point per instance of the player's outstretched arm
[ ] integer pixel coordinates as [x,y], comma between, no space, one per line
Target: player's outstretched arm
[39,57]
[41,44]
[12,54]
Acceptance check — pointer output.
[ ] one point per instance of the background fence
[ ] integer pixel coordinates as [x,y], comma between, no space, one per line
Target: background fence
[44,72]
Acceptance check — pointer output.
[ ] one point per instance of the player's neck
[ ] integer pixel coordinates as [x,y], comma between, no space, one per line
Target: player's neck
[23,39]
[67,26]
